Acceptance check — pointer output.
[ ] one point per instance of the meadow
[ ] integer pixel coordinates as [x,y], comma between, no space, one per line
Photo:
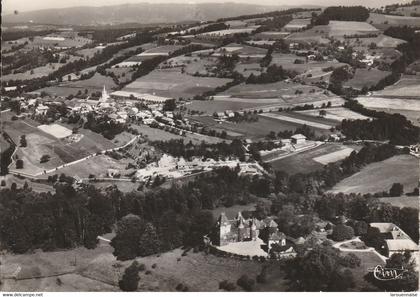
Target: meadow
[335,113]
[383,21]
[366,78]
[407,87]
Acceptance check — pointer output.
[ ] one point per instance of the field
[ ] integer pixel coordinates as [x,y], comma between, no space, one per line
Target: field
[383,21]
[336,29]
[380,176]
[93,84]
[366,78]
[287,62]
[123,74]
[211,106]
[225,32]
[297,24]
[37,72]
[56,130]
[381,41]
[408,10]
[408,87]
[335,114]
[81,269]
[172,83]
[154,134]
[279,94]
[60,150]
[369,260]
[311,122]
[305,162]
[390,104]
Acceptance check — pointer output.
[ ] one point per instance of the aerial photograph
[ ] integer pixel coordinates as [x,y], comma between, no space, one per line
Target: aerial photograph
[209,146]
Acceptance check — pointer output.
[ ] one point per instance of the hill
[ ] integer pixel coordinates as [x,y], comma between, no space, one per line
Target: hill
[145,13]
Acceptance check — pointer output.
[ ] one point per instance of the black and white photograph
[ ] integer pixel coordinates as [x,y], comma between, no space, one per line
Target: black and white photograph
[219,146]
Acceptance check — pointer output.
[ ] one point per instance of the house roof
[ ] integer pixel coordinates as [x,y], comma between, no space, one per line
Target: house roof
[298,136]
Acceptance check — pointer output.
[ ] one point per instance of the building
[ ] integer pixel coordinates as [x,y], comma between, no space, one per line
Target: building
[396,240]
[298,139]
[41,109]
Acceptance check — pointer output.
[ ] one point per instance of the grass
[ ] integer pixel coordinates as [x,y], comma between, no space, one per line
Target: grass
[368,261]
[98,270]
[390,103]
[380,176]
[304,162]
[366,78]
[300,119]
[37,72]
[93,84]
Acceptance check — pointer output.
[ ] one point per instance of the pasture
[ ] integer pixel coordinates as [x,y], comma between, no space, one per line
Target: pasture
[305,161]
[403,201]
[56,130]
[211,106]
[379,176]
[335,114]
[319,123]
[365,77]
[226,32]
[174,84]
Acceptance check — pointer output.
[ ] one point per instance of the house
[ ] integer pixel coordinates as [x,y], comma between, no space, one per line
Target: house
[396,240]
[229,113]
[298,139]
[41,109]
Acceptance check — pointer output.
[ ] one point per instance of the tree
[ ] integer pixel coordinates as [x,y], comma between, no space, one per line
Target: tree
[19,164]
[169,105]
[396,190]
[320,269]
[246,283]
[360,228]
[126,242]
[45,158]
[409,280]
[149,242]
[322,113]
[23,142]
[130,279]
[342,232]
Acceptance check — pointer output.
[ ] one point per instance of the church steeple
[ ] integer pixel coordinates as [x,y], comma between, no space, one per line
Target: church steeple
[104,96]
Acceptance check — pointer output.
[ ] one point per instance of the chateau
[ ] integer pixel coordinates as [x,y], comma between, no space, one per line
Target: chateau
[250,229]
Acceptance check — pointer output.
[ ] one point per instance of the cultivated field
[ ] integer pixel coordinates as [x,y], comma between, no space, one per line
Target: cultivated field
[381,41]
[172,83]
[305,162]
[211,106]
[335,114]
[287,61]
[380,176]
[334,156]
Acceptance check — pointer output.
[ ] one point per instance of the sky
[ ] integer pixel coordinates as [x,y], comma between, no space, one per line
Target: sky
[25,5]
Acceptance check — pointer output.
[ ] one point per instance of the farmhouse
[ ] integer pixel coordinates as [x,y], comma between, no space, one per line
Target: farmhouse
[41,109]
[396,240]
[298,139]
[144,97]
